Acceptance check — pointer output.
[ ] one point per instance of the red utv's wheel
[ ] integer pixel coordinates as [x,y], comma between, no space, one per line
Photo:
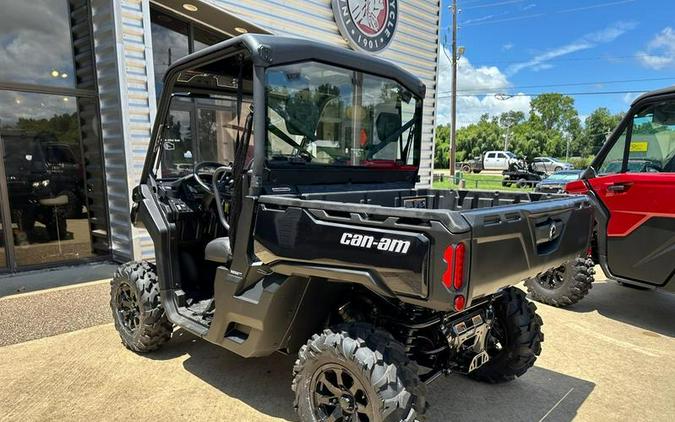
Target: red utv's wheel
[517,338]
[565,285]
[357,372]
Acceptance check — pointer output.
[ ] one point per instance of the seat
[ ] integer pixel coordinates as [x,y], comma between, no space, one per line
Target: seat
[218,250]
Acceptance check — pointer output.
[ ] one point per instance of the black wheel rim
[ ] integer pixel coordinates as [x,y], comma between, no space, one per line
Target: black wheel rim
[339,396]
[128,312]
[552,279]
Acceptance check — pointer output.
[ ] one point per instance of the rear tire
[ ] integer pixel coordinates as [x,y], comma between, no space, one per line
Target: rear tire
[466,168]
[518,328]
[565,285]
[522,183]
[357,370]
[136,307]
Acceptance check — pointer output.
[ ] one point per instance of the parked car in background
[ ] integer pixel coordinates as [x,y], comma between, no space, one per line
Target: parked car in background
[490,160]
[550,165]
[556,182]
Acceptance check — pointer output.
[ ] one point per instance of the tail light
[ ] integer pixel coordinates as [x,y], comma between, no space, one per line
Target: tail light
[460,302]
[454,258]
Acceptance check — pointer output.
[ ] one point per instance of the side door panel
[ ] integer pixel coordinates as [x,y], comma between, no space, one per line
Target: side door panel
[641,225]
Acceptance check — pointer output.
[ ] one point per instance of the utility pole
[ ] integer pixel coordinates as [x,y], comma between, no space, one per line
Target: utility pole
[453,119]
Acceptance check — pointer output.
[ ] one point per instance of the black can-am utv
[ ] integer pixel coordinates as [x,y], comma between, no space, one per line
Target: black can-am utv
[299,229]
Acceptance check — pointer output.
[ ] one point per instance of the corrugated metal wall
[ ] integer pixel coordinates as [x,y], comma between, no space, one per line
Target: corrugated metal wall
[127,102]
[414,47]
[126,81]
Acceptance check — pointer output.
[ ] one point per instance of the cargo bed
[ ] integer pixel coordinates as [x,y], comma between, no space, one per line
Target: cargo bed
[508,236]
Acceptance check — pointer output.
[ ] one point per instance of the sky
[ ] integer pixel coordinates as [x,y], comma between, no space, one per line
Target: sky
[515,49]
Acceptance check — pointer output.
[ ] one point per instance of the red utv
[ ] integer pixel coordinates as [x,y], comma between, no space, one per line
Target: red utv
[632,185]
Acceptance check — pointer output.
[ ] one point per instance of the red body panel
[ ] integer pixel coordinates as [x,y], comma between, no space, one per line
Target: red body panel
[640,196]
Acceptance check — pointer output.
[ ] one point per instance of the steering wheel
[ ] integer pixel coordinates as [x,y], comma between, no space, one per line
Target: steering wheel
[200,167]
[652,168]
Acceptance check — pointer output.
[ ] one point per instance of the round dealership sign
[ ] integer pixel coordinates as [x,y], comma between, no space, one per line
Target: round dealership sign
[367,25]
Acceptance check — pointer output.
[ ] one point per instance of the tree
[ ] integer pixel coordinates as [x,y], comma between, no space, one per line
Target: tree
[598,126]
[555,111]
[442,147]
[508,121]
[485,135]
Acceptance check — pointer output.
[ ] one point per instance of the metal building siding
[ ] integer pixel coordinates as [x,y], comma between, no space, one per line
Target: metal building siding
[414,47]
[126,94]
[127,90]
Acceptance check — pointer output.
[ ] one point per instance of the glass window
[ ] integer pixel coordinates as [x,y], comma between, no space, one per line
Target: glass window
[44,169]
[613,161]
[203,38]
[332,116]
[203,129]
[170,42]
[491,155]
[652,145]
[35,43]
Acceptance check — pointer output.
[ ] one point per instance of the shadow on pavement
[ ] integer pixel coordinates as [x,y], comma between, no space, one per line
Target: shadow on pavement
[264,384]
[647,309]
[540,393]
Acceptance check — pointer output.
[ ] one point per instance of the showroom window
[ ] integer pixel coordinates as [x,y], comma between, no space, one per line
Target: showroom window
[173,38]
[52,191]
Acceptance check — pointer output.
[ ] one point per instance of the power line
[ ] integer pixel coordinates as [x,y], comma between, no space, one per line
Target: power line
[500,3]
[484,61]
[567,84]
[570,94]
[536,15]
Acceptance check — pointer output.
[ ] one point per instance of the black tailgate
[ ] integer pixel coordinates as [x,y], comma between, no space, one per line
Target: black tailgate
[512,243]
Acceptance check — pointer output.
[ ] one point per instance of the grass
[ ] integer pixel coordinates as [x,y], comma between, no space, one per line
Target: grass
[479,181]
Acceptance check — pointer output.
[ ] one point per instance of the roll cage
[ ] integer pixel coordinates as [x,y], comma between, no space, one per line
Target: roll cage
[254,54]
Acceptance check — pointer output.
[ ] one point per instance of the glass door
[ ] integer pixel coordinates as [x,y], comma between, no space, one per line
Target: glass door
[5,221]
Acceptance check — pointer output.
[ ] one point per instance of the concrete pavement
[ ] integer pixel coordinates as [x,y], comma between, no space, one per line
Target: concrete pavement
[611,357]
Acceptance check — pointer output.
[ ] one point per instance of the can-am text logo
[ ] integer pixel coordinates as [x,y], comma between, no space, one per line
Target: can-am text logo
[369,242]
[367,25]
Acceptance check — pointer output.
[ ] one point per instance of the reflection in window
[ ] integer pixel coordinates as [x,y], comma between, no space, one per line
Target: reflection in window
[45,176]
[327,115]
[35,42]
[169,43]
[171,40]
[213,139]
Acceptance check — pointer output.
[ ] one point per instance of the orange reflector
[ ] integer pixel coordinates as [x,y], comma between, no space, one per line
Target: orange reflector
[459,302]
[458,277]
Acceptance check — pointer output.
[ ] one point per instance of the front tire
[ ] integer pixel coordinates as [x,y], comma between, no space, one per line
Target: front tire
[136,307]
[517,327]
[354,372]
[565,285]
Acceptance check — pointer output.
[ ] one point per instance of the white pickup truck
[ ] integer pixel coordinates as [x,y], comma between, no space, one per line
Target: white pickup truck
[490,160]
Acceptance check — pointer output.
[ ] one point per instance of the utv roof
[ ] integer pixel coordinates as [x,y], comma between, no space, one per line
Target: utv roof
[272,50]
[658,92]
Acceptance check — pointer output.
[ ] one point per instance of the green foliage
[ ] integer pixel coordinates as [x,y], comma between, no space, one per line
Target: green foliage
[599,125]
[63,127]
[581,163]
[552,124]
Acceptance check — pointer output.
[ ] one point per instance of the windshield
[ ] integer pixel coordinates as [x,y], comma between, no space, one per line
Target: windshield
[564,177]
[327,115]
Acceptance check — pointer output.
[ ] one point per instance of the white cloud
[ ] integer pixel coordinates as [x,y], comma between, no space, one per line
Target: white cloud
[485,81]
[660,51]
[35,40]
[586,42]
[507,46]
